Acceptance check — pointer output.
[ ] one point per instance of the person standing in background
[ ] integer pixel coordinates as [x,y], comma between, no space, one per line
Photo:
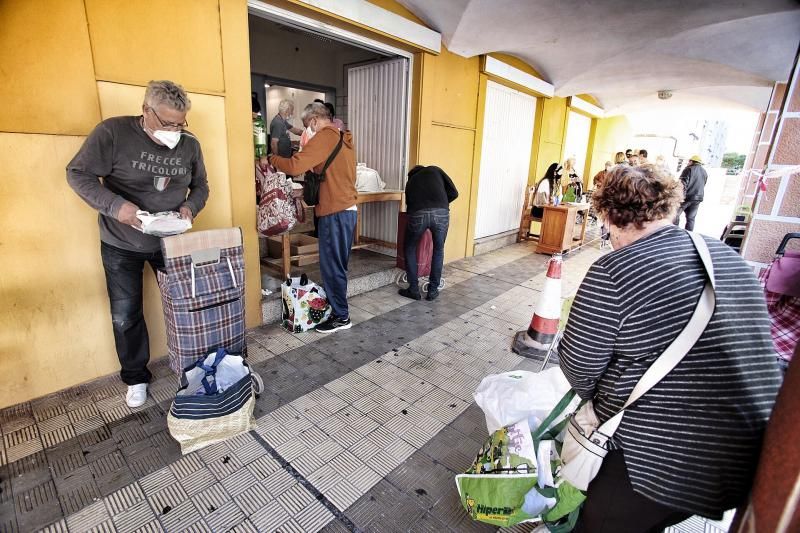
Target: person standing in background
[694,178]
[619,159]
[643,157]
[334,120]
[429,193]
[336,208]
[279,129]
[633,157]
[149,162]
[600,176]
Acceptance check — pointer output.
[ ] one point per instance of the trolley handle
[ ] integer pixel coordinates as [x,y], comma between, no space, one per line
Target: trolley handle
[785,241]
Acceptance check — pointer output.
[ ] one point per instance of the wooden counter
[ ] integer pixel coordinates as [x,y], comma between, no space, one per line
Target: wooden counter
[558,227]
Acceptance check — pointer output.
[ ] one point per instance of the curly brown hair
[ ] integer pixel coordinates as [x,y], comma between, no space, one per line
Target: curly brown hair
[636,195]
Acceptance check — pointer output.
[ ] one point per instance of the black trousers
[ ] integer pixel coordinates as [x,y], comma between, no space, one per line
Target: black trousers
[613,507]
[124,279]
[690,210]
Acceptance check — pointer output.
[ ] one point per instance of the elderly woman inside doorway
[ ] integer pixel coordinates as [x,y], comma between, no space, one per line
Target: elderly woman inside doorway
[690,444]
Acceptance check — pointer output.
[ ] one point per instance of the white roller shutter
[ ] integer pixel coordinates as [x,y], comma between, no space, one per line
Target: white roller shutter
[505,159]
[377,97]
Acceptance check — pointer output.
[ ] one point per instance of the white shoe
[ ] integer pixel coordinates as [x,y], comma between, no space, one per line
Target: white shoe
[137,395]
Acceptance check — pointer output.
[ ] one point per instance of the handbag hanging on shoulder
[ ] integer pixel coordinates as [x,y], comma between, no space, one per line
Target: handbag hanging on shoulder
[313,180]
[586,440]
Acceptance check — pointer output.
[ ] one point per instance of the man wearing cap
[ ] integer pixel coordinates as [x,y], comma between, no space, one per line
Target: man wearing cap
[694,179]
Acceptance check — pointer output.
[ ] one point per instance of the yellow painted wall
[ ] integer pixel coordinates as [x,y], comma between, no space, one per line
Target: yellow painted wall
[553,129]
[448,108]
[47,82]
[55,327]
[610,135]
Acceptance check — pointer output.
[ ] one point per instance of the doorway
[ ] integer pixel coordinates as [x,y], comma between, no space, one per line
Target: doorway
[298,59]
[577,142]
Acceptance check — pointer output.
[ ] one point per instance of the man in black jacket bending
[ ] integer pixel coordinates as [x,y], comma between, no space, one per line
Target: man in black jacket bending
[694,178]
[429,192]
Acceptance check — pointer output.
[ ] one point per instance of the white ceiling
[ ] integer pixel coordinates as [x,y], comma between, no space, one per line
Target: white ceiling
[723,54]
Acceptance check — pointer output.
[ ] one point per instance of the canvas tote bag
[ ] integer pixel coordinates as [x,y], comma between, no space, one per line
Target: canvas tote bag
[586,440]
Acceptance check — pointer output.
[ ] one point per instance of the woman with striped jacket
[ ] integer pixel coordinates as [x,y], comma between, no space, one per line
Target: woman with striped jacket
[689,445]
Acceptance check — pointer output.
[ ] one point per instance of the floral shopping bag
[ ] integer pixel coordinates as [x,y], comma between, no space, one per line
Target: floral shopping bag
[304,304]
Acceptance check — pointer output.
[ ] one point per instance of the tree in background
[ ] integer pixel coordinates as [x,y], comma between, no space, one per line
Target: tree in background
[733,160]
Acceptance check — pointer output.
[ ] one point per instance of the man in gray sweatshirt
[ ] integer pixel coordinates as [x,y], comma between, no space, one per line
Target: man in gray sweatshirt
[148,162]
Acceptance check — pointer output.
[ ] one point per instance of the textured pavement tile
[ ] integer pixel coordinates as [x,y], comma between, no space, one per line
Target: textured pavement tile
[123,499]
[225,517]
[89,517]
[186,466]
[253,499]
[197,481]
[270,517]
[313,517]
[211,499]
[56,527]
[133,518]
[26,473]
[180,517]
[37,507]
[167,498]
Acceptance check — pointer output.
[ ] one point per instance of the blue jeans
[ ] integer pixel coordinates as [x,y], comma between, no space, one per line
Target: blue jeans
[438,221]
[336,233]
[124,276]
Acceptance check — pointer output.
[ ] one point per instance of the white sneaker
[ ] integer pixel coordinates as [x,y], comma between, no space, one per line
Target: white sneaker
[137,395]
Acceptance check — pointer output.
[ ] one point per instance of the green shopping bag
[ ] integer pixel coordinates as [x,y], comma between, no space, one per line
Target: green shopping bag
[514,478]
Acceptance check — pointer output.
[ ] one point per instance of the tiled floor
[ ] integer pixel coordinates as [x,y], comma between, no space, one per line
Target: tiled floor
[360,431]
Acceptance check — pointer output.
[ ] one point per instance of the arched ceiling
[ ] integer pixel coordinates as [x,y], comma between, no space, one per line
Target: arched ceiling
[724,53]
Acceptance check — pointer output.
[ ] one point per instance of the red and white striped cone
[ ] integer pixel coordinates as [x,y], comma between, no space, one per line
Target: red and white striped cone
[546,315]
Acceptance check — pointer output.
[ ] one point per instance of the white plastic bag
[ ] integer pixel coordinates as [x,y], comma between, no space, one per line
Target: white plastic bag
[227,373]
[510,397]
[368,180]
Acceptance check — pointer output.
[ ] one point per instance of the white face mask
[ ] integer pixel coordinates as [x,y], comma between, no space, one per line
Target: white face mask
[169,138]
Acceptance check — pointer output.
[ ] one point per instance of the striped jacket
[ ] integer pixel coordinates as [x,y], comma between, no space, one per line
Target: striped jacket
[691,442]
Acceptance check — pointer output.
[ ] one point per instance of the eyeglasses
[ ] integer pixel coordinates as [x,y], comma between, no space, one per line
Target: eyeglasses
[163,124]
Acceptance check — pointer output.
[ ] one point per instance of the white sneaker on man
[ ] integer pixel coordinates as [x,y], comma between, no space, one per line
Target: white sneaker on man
[137,395]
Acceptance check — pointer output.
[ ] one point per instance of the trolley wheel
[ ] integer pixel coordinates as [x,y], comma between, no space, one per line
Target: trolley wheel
[441,284]
[258,383]
[425,286]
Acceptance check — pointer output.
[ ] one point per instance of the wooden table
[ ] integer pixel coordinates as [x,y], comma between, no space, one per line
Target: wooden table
[558,226]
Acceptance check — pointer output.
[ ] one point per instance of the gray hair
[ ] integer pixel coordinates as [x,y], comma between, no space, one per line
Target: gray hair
[167,93]
[315,109]
[285,105]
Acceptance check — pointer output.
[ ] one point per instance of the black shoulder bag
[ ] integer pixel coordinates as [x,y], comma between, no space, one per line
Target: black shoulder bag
[313,180]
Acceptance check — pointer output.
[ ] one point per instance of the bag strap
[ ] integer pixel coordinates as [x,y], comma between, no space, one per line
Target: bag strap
[333,155]
[682,344]
[557,411]
[211,388]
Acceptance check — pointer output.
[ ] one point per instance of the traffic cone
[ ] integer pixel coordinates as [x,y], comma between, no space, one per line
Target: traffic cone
[536,341]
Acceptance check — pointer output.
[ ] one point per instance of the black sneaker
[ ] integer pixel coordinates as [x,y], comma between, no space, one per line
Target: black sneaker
[408,293]
[432,295]
[334,323]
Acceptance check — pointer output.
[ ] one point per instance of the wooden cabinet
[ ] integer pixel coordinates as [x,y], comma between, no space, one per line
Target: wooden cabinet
[558,227]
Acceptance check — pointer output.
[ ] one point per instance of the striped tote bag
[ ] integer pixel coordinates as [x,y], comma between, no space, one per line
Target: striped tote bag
[215,401]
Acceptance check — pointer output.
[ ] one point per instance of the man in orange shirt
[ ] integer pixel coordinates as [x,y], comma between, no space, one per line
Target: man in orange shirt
[336,209]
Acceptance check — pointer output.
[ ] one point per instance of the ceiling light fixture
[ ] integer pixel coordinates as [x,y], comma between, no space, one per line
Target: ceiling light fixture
[665,94]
